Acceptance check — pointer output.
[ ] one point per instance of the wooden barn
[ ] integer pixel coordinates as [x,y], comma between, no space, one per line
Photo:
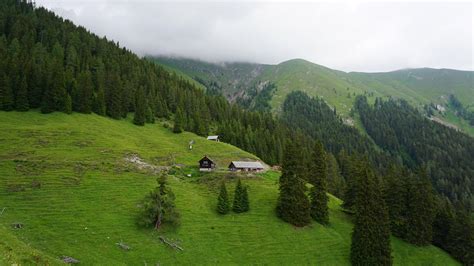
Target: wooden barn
[206,164]
[240,166]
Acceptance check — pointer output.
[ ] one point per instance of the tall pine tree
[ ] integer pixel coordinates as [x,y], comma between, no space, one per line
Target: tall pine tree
[371,233]
[178,121]
[22,104]
[293,206]
[461,238]
[238,205]
[6,93]
[317,177]
[421,210]
[395,196]
[223,205]
[140,108]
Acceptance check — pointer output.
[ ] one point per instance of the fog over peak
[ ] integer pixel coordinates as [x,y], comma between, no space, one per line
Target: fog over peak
[346,36]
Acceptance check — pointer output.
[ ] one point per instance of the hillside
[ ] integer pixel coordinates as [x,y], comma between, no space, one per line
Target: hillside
[417,86]
[66,179]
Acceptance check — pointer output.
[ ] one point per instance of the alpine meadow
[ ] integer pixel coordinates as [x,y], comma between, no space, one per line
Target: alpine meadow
[160,133]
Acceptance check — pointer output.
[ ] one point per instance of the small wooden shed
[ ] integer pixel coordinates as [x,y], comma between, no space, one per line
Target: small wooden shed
[213,138]
[206,164]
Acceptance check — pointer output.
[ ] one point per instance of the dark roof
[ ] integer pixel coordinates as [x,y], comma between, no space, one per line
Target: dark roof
[206,157]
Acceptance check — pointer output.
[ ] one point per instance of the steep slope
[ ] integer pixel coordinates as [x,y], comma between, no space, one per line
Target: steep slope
[66,179]
[230,79]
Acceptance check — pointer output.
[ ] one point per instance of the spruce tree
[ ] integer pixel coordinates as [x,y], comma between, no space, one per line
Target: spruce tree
[140,108]
[114,94]
[421,210]
[68,104]
[158,207]
[238,206]
[461,238]
[352,168]
[293,205]
[395,196]
[317,178]
[22,97]
[6,93]
[99,103]
[336,182]
[223,204]
[178,121]
[84,97]
[371,233]
[150,116]
[442,224]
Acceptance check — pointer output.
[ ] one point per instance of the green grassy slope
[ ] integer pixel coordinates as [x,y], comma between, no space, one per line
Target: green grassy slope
[316,80]
[417,86]
[64,177]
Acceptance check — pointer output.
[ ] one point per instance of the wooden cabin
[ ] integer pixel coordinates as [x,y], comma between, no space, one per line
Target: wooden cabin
[206,164]
[213,138]
[240,166]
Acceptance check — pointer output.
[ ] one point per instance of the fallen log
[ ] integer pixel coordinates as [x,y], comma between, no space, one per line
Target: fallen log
[169,243]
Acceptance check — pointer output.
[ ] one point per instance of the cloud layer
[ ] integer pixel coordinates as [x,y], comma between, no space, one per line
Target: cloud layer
[350,37]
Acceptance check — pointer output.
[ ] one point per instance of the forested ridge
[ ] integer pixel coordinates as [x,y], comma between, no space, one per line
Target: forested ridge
[448,154]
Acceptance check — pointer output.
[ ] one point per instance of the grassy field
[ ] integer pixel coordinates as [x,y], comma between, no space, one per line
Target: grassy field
[66,179]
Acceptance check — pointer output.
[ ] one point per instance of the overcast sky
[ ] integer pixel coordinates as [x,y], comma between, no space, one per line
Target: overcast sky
[346,36]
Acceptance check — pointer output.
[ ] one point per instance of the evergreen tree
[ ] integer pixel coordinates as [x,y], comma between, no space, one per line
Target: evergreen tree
[54,99]
[150,116]
[84,97]
[158,207]
[68,104]
[293,205]
[336,182]
[318,177]
[421,210]
[238,205]
[442,224]
[461,238]
[114,94]
[140,108]
[223,204]
[6,93]
[371,233]
[99,103]
[22,97]
[178,121]
[395,196]
[352,168]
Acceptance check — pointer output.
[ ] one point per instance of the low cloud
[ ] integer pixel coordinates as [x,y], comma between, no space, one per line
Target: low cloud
[349,37]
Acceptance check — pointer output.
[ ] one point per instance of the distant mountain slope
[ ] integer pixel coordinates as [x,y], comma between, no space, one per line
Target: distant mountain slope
[228,78]
[418,86]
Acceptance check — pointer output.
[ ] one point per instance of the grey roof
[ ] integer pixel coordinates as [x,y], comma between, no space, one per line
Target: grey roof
[240,164]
